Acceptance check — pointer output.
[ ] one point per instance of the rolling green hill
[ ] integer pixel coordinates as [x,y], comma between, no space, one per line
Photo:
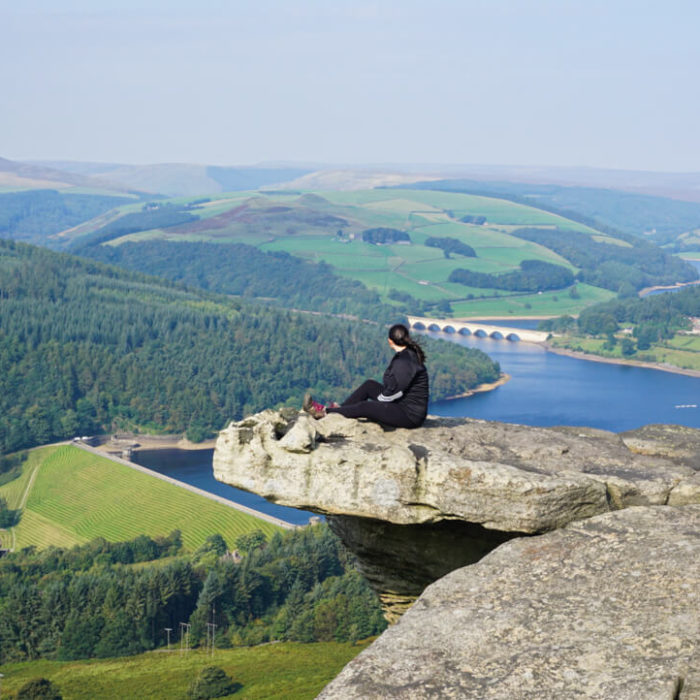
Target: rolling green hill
[330,228]
[68,496]
[666,221]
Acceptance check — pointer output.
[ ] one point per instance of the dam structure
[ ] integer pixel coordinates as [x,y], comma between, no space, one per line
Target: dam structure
[477,328]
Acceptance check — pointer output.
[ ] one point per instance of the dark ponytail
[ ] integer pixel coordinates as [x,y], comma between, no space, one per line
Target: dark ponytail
[399,334]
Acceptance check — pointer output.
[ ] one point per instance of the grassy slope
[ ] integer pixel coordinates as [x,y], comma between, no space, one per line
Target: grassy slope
[77,496]
[285,671]
[404,267]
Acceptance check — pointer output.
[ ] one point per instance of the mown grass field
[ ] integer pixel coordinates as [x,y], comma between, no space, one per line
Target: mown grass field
[69,496]
[556,303]
[283,671]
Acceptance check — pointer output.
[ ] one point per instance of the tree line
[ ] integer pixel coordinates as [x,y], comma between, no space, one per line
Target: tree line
[90,601]
[385,235]
[620,268]
[150,217]
[654,318]
[533,276]
[86,348]
[605,210]
[450,246]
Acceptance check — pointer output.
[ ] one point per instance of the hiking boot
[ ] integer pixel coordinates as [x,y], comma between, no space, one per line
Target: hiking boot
[313,408]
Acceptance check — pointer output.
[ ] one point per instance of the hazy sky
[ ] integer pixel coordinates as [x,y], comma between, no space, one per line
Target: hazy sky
[611,83]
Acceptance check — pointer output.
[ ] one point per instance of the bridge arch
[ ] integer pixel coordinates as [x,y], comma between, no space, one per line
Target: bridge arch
[478,329]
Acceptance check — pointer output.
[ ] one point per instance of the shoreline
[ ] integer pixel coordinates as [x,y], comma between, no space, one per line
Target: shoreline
[481,388]
[158,442]
[647,290]
[576,354]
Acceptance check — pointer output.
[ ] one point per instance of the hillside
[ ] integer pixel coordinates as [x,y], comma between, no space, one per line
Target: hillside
[415,274]
[659,329]
[181,179]
[37,216]
[67,496]
[88,348]
[15,175]
[114,599]
[672,223]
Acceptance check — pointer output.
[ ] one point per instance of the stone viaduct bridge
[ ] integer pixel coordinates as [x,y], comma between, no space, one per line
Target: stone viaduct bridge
[477,328]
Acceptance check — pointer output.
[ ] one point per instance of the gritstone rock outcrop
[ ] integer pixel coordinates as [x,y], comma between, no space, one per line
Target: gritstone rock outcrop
[606,608]
[414,505]
[559,562]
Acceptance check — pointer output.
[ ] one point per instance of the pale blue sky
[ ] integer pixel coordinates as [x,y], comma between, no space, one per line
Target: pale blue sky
[531,82]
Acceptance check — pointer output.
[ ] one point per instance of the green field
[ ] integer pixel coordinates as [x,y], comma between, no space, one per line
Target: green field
[556,303]
[69,496]
[283,671]
[306,225]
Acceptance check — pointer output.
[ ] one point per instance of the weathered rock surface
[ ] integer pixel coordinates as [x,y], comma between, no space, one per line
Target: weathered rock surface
[678,443]
[604,608]
[414,505]
[504,477]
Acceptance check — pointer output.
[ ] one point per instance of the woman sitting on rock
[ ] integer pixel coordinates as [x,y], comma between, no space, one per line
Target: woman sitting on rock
[400,401]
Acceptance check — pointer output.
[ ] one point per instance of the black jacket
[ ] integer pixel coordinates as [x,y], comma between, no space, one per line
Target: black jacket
[405,383]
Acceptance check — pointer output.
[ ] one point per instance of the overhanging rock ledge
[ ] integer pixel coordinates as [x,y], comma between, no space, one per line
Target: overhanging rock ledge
[416,504]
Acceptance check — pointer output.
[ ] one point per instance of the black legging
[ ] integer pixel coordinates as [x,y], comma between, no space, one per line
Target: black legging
[362,403]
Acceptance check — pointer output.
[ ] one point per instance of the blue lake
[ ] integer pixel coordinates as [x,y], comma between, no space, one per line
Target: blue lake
[550,389]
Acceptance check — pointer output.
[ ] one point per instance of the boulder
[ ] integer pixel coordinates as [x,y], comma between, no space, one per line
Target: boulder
[603,608]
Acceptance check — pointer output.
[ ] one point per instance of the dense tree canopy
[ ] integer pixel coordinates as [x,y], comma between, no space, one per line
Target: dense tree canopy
[608,265]
[451,246]
[385,235]
[89,601]
[151,216]
[243,270]
[654,317]
[533,276]
[86,347]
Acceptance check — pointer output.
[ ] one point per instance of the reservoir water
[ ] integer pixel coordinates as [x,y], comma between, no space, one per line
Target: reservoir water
[549,389]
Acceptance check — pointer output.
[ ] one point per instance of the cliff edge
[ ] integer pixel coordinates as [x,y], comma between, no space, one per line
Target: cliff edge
[603,608]
[414,505]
